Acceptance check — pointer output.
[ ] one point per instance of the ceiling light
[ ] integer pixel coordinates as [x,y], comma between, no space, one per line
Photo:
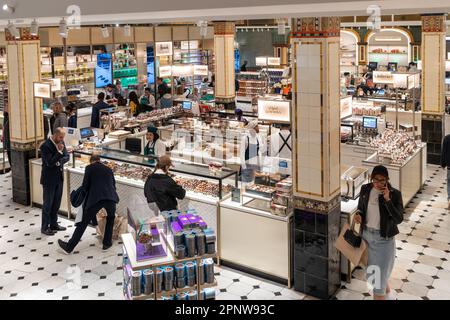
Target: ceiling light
[8,8]
[127,31]
[34,28]
[117,25]
[105,32]
[13,30]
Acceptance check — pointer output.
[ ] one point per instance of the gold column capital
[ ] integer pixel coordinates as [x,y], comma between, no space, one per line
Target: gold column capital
[316,27]
[25,35]
[434,23]
[224,27]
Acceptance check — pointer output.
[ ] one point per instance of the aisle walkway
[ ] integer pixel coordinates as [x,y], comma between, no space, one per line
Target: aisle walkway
[31,266]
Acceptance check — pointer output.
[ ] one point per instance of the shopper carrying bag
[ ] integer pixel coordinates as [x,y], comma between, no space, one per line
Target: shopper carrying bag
[380,212]
[352,246]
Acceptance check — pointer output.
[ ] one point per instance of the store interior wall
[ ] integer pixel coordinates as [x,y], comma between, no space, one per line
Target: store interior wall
[253,44]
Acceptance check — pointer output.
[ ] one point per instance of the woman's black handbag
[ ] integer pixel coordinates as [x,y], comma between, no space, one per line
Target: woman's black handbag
[77,197]
[352,237]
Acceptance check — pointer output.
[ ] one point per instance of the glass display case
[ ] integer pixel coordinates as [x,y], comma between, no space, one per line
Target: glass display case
[197,179]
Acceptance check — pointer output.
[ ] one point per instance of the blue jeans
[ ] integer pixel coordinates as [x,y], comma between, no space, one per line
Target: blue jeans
[381,252]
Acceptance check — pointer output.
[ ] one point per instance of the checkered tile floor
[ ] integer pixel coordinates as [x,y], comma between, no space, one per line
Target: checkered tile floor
[32,267]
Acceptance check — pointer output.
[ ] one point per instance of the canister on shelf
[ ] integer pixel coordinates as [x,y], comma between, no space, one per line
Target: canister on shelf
[190,281]
[190,244]
[148,281]
[136,283]
[211,248]
[209,271]
[192,295]
[178,239]
[181,282]
[209,293]
[159,280]
[180,270]
[168,278]
[190,269]
[200,240]
[182,296]
[181,252]
[201,273]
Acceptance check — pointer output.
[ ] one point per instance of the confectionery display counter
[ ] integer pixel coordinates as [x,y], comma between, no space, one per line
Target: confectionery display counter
[204,187]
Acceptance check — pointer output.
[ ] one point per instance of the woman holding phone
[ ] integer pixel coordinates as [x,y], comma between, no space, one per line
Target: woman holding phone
[380,210]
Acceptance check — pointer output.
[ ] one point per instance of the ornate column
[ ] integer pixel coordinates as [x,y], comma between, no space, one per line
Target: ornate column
[24,68]
[225,92]
[433,83]
[316,124]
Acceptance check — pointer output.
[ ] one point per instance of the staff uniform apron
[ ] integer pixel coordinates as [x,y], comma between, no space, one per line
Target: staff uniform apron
[150,151]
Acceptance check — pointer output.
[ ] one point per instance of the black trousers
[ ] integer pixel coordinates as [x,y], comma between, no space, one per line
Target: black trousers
[88,215]
[52,202]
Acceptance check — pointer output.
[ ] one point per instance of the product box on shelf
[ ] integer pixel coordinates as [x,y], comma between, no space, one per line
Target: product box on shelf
[146,230]
[178,281]
[188,234]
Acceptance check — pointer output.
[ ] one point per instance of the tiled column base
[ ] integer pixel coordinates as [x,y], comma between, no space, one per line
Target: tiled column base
[316,260]
[432,135]
[21,176]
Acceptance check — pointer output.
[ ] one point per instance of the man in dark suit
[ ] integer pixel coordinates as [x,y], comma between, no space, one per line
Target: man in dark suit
[101,104]
[100,187]
[54,156]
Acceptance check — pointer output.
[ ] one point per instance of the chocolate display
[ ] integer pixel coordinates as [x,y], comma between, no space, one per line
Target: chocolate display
[398,146]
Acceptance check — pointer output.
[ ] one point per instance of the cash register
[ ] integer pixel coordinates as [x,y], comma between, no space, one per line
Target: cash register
[75,137]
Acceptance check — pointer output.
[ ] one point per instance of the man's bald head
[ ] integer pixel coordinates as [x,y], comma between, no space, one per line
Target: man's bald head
[58,135]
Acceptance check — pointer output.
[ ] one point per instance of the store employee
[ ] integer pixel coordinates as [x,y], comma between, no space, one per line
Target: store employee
[155,147]
[252,149]
[281,143]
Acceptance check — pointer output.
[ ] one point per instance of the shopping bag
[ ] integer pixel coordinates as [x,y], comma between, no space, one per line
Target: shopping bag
[120,225]
[358,256]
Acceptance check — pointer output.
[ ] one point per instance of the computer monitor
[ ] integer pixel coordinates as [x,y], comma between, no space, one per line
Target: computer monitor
[134,145]
[373,65]
[369,122]
[187,105]
[86,133]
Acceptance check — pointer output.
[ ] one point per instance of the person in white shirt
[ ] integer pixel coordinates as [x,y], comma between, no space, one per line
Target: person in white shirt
[251,151]
[281,143]
[154,147]
[148,100]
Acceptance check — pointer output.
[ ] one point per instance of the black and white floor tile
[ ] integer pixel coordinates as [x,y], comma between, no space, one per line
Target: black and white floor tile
[32,266]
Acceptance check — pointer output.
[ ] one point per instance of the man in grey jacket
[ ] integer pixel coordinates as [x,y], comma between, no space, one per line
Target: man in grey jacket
[59,118]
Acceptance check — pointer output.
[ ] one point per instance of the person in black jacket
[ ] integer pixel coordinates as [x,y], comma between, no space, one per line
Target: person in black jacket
[54,156]
[161,188]
[100,187]
[101,104]
[380,210]
[445,163]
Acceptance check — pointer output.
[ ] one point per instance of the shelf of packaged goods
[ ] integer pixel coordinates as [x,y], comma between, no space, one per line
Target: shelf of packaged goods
[244,87]
[166,293]
[389,53]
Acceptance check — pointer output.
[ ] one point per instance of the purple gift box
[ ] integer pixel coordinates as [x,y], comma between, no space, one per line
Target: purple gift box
[175,226]
[202,224]
[184,221]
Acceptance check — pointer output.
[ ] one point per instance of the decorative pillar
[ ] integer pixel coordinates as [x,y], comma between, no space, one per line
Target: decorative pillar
[362,53]
[225,91]
[433,83]
[316,124]
[24,68]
